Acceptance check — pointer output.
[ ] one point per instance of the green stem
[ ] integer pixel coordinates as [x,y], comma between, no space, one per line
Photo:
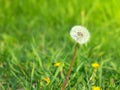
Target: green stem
[70,69]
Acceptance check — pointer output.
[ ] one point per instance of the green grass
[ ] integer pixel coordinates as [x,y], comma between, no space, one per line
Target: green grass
[34,34]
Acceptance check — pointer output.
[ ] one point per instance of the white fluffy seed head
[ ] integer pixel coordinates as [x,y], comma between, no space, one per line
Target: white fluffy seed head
[80,34]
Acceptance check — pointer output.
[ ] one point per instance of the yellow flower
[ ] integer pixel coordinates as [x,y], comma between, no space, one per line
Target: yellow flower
[96,88]
[58,64]
[47,80]
[95,65]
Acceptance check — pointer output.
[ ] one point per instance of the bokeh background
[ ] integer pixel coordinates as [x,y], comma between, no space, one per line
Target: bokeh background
[34,34]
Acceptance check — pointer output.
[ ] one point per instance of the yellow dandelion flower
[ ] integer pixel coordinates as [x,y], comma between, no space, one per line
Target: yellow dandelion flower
[57,64]
[95,65]
[96,88]
[47,80]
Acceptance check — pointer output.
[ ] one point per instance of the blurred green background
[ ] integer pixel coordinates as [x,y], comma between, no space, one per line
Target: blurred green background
[34,34]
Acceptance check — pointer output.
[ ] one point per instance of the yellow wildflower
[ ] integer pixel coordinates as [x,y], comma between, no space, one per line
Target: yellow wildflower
[47,80]
[95,65]
[96,88]
[57,64]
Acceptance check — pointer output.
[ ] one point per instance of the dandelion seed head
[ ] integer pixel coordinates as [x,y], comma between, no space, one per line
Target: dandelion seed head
[80,34]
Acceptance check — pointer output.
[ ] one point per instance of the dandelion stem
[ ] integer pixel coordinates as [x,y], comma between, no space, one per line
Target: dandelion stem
[70,68]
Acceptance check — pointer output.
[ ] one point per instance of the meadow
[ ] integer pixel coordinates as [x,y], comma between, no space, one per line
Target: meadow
[36,48]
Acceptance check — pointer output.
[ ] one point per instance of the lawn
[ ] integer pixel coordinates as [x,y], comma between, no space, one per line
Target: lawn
[35,37]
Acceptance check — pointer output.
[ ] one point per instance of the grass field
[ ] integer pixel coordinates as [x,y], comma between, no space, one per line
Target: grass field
[34,36]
